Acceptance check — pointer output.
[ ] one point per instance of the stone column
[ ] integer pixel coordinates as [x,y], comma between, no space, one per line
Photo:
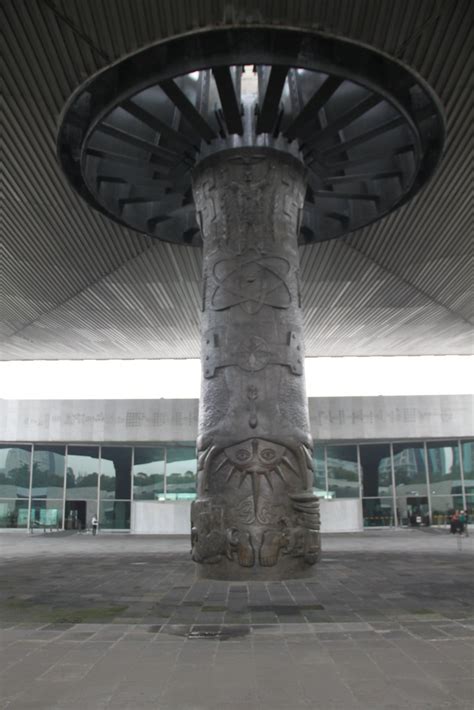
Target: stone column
[255,516]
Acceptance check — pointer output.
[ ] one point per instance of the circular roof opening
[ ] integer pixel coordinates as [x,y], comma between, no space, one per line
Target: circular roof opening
[369,130]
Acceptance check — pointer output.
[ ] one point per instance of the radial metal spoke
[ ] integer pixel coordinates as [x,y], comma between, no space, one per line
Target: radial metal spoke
[229,103]
[188,110]
[315,104]
[294,87]
[367,136]
[179,139]
[165,202]
[346,119]
[117,158]
[126,201]
[368,159]
[110,180]
[363,177]
[170,212]
[153,221]
[139,180]
[343,219]
[142,167]
[271,101]
[325,194]
[166,156]
[421,115]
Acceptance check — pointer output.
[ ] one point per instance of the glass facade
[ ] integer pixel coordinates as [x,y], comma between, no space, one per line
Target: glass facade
[342,471]
[82,482]
[64,486]
[402,483]
[319,471]
[376,470]
[15,462]
[48,472]
[180,472]
[378,512]
[149,473]
[114,515]
[13,513]
[467,461]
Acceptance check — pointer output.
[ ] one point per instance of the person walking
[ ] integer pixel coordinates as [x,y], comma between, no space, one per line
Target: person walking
[454,522]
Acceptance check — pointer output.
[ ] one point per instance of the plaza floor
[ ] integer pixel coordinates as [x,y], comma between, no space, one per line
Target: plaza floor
[115,622]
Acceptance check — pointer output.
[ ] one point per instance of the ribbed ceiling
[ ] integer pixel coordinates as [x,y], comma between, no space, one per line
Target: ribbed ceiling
[74,285]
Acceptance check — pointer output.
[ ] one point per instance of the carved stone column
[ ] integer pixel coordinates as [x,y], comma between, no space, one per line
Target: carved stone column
[255,516]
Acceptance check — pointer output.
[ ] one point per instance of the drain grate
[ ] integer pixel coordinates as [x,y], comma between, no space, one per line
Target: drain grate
[222,634]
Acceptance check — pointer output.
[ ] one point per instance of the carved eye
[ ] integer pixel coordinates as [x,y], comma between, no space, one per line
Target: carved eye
[243,455]
[267,454]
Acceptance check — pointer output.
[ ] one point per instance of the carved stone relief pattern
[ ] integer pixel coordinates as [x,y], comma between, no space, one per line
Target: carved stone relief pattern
[251,281]
[255,506]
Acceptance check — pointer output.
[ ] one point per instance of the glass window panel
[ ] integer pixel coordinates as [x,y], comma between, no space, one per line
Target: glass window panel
[116,472]
[14,471]
[443,506]
[467,448]
[378,512]
[468,464]
[180,472]
[48,471]
[13,513]
[319,472]
[148,473]
[114,515]
[444,467]
[343,477]
[376,468]
[82,472]
[410,471]
[46,513]
[413,510]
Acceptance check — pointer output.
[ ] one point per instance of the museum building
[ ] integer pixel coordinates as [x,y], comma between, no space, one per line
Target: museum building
[378,462]
[339,227]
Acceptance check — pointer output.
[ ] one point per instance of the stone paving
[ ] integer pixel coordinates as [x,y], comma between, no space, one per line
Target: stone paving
[115,622]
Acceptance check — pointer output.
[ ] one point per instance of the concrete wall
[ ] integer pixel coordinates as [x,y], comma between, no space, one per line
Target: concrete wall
[411,417]
[98,420]
[163,518]
[341,515]
[173,517]
[332,419]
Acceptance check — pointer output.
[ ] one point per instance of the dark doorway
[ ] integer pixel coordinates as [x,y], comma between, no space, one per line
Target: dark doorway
[417,511]
[75,518]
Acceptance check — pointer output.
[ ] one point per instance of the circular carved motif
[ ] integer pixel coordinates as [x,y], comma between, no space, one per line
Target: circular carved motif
[255,355]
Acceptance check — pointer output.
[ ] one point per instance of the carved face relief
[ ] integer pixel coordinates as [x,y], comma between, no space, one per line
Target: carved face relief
[255,455]
[257,458]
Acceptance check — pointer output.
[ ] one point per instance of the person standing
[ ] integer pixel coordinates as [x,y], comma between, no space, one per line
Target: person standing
[454,522]
[95,524]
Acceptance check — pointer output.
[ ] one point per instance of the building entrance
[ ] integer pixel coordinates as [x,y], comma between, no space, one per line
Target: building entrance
[76,515]
[413,511]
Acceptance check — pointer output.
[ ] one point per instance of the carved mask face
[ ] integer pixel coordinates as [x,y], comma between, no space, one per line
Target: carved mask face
[255,455]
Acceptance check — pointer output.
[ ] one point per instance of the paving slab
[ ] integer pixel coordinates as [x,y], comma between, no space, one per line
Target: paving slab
[120,622]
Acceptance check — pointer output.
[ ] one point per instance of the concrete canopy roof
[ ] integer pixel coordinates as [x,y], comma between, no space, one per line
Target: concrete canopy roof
[77,286]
